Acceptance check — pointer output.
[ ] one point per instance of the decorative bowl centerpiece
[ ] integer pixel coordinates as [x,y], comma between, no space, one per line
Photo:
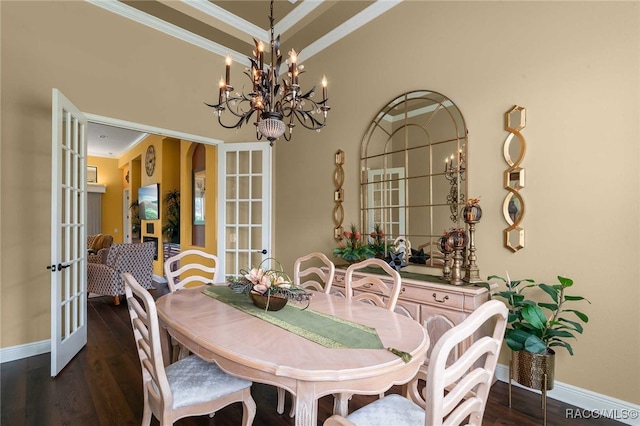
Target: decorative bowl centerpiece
[269,289]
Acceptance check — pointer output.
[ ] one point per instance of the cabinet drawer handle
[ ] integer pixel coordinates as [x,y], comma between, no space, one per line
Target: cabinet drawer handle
[402,290]
[446,297]
[367,285]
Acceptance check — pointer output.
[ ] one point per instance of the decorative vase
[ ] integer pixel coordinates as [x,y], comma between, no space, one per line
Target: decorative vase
[446,250]
[472,213]
[529,369]
[270,303]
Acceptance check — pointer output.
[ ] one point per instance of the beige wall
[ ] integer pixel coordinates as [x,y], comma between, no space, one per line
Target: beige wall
[573,65]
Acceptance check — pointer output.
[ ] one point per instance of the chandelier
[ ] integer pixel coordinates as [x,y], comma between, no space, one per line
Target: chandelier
[277,106]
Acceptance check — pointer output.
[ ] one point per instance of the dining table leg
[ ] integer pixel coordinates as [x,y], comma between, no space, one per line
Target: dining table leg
[341,404]
[165,345]
[306,404]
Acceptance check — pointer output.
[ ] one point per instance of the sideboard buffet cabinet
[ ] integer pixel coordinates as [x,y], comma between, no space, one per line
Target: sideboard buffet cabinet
[428,299]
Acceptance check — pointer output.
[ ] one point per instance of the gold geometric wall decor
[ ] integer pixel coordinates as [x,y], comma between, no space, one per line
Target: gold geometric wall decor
[338,195]
[513,151]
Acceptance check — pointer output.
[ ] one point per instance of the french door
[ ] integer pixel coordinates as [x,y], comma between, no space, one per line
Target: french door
[244,209]
[68,232]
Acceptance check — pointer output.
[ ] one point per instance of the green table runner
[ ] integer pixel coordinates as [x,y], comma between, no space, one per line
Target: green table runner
[326,330]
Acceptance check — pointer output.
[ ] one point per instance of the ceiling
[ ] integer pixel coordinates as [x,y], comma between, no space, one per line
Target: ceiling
[222,27]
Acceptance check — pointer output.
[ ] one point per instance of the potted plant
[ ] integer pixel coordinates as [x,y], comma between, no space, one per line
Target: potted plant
[353,249]
[135,219]
[535,328]
[171,227]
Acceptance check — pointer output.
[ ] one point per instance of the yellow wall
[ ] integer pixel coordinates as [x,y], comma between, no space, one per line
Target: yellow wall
[111,176]
[186,191]
[573,65]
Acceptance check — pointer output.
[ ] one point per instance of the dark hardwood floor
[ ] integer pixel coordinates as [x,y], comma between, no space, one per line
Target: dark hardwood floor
[102,385]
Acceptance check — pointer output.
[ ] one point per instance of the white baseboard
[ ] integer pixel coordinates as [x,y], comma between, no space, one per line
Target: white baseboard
[591,404]
[13,353]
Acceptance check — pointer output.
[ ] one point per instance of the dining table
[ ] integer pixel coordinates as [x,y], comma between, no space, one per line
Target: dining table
[262,347]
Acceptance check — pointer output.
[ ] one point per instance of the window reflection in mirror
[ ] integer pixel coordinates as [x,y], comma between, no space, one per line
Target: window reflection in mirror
[198,197]
[414,171]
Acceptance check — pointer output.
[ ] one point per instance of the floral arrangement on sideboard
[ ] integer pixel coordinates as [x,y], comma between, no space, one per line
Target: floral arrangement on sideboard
[352,247]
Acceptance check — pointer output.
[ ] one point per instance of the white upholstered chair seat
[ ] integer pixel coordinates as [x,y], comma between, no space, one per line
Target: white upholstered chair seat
[194,381]
[391,410]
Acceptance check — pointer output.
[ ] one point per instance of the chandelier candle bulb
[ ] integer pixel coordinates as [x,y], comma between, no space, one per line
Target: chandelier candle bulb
[261,55]
[324,88]
[227,62]
[221,85]
[293,59]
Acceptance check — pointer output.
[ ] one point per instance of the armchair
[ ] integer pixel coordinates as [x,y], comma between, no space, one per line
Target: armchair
[136,259]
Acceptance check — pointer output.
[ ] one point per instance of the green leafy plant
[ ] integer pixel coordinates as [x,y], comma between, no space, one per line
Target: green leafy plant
[351,247]
[171,227]
[537,327]
[135,217]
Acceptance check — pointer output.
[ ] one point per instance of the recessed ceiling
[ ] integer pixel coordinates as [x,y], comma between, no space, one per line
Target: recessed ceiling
[221,27]
[110,141]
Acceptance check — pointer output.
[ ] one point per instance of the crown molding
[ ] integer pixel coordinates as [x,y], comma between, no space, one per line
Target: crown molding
[296,15]
[167,28]
[223,15]
[347,27]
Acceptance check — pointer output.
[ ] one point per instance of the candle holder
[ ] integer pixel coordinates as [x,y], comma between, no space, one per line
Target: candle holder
[446,250]
[471,215]
[458,241]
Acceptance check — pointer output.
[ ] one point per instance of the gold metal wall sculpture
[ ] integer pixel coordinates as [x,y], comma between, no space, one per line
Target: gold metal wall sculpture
[338,195]
[513,151]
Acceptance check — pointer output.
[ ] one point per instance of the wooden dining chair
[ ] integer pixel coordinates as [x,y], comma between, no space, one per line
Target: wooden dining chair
[191,266]
[452,393]
[377,292]
[381,290]
[189,387]
[306,267]
[314,277]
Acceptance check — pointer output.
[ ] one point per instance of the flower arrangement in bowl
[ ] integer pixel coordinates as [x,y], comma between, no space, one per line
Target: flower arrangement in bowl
[271,288]
[351,248]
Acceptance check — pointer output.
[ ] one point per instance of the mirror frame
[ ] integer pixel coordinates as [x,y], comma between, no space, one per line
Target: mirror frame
[513,205]
[402,111]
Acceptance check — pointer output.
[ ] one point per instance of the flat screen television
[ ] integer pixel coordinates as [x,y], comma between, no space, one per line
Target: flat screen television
[148,202]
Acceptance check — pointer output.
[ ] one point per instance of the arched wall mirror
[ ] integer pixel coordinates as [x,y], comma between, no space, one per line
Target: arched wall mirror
[414,172]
